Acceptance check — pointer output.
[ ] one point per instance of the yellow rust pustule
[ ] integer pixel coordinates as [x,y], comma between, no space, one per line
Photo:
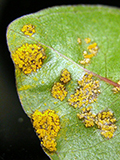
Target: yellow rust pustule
[28,29]
[65,76]
[79,41]
[58,91]
[93,48]
[116,89]
[47,126]
[90,52]
[87,40]
[29,57]
[87,116]
[105,121]
[87,92]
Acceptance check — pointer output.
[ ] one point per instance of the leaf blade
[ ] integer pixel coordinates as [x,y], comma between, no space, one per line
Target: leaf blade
[35,90]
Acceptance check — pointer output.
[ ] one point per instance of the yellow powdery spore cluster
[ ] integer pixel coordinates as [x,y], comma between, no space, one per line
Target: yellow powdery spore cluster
[29,57]
[88,116]
[47,126]
[87,40]
[59,91]
[65,76]
[28,29]
[87,92]
[90,52]
[79,40]
[116,89]
[105,121]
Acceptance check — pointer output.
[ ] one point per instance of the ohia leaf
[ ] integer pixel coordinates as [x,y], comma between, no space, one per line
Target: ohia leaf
[67,68]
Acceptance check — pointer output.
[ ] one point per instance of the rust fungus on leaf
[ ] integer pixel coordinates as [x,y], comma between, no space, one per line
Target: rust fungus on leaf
[90,52]
[29,57]
[79,40]
[87,116]
[116,89]
[87,40]
[28,29]
[105,121]
[93,48]
[59,91]
[47,126]
[65,76]
[85,61]
[87,92]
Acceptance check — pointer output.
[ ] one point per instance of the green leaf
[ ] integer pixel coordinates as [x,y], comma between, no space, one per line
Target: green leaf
[57,30]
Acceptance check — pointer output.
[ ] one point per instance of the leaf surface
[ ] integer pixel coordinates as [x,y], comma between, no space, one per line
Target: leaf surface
[57,30]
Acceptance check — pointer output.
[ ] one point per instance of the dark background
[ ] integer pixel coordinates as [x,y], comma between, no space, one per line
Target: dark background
[18,140]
